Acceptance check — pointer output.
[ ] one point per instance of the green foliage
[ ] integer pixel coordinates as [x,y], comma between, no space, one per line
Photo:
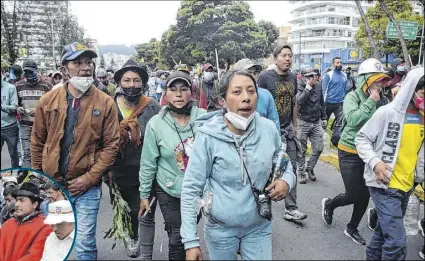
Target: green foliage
[149,53]
[378,21]
[102,62]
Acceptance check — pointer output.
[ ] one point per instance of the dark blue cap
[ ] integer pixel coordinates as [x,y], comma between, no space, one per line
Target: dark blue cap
[73,51]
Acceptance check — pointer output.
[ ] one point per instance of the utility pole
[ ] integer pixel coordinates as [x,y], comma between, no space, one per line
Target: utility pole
[420,47]
[53,39]
[299,61]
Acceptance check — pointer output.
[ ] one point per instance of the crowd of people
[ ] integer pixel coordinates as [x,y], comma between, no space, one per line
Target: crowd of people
[199,145]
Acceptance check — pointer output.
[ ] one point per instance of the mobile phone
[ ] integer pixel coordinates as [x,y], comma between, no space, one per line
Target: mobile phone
[150,205]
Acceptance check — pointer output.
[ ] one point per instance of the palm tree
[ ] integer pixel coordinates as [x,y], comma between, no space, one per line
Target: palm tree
[399,32]
[375,53]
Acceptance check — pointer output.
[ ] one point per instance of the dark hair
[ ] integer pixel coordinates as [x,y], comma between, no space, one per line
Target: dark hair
[39,201]
[279,49]
[335,58]
[420,85]
[224,83]
[51,185]
[10,190]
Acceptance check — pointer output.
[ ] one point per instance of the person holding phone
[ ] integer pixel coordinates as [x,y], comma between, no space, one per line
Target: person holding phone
[167,147]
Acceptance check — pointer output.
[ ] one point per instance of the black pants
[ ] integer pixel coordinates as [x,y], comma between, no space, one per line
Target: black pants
[333,108]
[356,191]
[10,135]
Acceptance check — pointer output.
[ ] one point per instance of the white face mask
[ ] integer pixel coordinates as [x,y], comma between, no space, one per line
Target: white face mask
[81,83]
[239,122]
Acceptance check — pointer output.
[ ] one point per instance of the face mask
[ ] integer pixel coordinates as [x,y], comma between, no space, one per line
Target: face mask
[132,94]
[348,74]
[185,110]
[31,77]
[338,68]
[239,122]
[81,83]
[418,102]
[208,77]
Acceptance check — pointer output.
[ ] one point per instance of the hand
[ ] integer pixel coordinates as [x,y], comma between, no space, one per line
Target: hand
[30,112]
[381,170]
[144,205]
[374,95]
[194,254]
[311,82]
[279,190]
[294,131]
[20,110]
[324,124]
[78,186]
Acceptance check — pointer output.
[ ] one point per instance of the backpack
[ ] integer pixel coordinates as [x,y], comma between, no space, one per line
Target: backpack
[338,126]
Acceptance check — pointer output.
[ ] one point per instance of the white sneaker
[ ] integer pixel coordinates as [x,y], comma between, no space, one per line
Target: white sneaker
[294,215]
[133,248]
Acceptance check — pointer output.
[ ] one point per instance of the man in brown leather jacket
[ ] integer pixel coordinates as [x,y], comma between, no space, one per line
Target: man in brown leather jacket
[75,139]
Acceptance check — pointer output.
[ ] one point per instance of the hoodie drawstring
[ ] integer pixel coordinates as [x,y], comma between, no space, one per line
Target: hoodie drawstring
[241,158]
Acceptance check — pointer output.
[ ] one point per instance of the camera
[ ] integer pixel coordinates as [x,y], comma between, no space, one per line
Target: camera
[264,204]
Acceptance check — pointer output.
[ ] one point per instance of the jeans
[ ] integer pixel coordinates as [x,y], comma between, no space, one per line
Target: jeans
[356,191]
[147,229]
[291,150]
[254,243]
[10,135]
[25,132]
[87,207]
[314,132]
[388,241]
[170,208]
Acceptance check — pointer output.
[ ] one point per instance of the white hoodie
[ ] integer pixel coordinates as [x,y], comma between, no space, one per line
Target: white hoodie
[380,138]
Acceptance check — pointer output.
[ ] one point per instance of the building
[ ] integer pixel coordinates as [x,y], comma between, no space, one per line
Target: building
[319,26]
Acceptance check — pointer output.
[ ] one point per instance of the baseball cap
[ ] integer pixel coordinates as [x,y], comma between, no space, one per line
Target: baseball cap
[178,75]
[308,71]
[245,64]
[73,51]
[29,65]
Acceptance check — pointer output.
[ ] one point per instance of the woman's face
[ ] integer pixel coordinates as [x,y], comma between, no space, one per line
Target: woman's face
[241,96]
[178,94]
[131,79]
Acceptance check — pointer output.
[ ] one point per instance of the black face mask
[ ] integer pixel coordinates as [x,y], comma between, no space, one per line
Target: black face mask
[338,68]
[348,74]
[185,110]
[132,94]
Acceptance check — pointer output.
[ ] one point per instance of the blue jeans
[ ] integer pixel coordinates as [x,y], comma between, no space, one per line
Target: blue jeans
[10,135]
[388,242]
[87,207]
[25,133]
[254,243]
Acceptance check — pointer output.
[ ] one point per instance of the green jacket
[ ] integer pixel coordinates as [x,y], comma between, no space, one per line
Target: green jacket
[165,152]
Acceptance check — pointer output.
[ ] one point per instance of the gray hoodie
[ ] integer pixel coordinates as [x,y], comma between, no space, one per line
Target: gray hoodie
[9,104]
[380,138]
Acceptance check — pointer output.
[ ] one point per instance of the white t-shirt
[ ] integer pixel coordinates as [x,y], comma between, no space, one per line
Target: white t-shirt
[55,249]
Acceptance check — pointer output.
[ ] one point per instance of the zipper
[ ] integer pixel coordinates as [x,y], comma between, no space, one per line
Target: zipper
[72,143]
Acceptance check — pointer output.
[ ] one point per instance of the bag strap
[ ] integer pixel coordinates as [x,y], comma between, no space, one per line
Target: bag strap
[253,188]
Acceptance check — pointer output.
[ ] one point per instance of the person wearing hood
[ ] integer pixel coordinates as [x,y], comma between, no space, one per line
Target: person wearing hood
[102,76]
[359,106]
[235,161]
[167,147]
[391,144]
[208,89]
[266,106]
[75,140]
[29,92]
[22,237]
[134,112]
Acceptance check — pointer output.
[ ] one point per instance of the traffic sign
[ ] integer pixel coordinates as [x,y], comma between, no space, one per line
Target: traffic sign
[409,29]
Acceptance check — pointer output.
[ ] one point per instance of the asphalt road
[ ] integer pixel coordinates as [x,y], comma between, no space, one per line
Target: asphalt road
[311,239]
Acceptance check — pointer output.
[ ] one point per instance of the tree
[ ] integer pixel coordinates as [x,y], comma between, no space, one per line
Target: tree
[375,53]
[113,64]
[378,22]
[272,33]
[203,26]
[102,62]
[149,53]
[9,22]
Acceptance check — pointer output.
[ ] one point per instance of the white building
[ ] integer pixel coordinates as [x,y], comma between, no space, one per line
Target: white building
[119,60]
[318,26]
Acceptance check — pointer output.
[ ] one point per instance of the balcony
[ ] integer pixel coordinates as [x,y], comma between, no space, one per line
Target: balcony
[320,25]
[328,12]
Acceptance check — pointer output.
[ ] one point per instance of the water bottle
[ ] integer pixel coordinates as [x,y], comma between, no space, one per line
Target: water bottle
[412,215]
[326,144]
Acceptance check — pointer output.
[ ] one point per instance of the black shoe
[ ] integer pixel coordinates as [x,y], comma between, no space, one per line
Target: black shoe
[355,236]
[311,175]
[327,212]
[372,219]
[421,224]
[302,177]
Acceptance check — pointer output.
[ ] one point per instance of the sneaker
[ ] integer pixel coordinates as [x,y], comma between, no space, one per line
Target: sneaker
[133,248]
[311,175]
[327,212]
[372,219]
[421,224]
[355,236]
[421,253]
[294,215]
[302,177]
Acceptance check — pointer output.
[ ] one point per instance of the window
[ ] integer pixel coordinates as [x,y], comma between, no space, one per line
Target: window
[349,34]
[331,20]
[356,22]
[331,8]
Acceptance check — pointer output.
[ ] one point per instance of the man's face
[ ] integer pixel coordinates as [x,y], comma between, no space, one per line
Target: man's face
[9,199]
[62,230]
[24,206]
[284,60]
[81,67]
[102,79]
[254,72]
[54,195]
[337,62]
[57,79]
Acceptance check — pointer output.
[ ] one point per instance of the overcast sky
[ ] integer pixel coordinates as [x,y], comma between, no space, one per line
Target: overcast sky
[134,22]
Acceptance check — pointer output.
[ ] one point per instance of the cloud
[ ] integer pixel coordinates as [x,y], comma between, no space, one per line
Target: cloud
[134,22]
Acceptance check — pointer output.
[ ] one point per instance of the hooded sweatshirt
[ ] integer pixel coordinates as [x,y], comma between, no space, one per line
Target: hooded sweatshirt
[165,152]
[358,108]
[9,104]
[217,168]
[379,140]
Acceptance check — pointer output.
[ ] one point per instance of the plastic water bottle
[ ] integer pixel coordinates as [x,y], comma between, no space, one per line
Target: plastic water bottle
[412,215]
[326,144]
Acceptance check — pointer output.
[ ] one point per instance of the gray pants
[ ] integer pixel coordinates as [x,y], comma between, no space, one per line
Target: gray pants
[314,132]
[291,150]
[25,133]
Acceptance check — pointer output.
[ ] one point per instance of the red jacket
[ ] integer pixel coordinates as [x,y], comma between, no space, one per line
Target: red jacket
[23,242]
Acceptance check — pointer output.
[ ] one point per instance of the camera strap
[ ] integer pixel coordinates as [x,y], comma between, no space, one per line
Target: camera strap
[253,188]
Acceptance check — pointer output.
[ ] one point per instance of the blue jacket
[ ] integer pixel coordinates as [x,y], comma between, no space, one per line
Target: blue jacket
[9,104]
[216,166]
[266,106]
[334,86]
